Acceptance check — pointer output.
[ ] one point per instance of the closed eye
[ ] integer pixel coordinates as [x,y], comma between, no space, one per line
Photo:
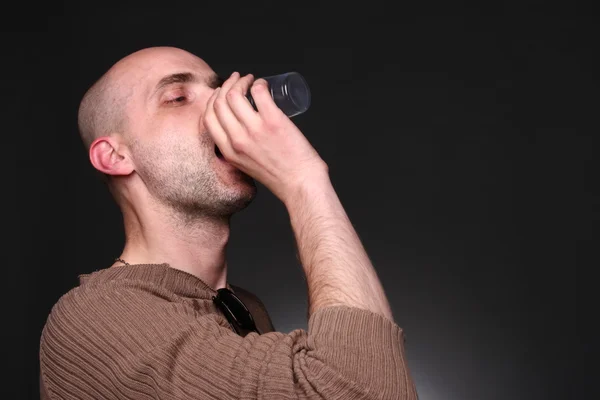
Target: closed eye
[179,99]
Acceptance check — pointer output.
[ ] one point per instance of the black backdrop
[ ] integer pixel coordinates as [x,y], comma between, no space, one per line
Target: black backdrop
[458,138]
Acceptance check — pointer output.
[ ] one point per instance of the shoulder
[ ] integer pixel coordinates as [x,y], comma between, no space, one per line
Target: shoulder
[116,312]
[95,302]
[110,327]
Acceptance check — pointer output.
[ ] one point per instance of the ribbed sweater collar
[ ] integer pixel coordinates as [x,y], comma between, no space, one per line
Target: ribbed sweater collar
[174,280]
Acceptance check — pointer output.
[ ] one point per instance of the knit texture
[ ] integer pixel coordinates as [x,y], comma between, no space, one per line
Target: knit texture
[153,332]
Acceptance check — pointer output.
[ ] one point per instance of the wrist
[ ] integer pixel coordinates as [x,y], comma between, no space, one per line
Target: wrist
[307,186]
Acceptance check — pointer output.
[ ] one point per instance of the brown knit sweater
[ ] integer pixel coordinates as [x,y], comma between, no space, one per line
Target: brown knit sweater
[153,332]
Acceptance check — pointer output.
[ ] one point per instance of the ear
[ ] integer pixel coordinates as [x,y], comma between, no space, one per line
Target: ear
[109,156]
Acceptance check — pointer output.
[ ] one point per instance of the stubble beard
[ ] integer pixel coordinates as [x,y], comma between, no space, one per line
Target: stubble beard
[181,177]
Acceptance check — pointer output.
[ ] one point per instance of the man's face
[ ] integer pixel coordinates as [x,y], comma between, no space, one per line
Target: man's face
[173,153]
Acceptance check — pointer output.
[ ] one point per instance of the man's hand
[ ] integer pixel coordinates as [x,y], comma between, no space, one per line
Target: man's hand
[270,148]
[265,144]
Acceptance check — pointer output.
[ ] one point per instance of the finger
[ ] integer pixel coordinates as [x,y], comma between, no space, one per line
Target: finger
[214,127]
[240,105]
[229,82]
[226,117]
[262,98]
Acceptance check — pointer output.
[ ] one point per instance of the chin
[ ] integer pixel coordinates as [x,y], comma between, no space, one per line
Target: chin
[240,196]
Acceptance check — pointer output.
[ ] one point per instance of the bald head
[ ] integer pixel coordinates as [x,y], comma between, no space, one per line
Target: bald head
[102,110]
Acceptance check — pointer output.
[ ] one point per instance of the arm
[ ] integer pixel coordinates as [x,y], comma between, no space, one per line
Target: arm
[342,284]
[337,268]
[269,147]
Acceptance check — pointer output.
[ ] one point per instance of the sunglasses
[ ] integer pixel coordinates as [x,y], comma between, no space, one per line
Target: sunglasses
[235,311]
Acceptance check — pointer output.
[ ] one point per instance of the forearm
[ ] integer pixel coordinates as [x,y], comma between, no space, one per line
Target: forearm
[337,267]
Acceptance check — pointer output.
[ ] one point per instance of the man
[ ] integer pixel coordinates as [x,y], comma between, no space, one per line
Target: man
[179,150]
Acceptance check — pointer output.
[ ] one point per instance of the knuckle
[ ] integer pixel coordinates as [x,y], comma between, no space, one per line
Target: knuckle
[257,128]
[239,145]
[272,123]
[219,104]
[231,94]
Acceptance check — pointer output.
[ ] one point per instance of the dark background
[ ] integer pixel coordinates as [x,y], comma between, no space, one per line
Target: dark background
[459,139]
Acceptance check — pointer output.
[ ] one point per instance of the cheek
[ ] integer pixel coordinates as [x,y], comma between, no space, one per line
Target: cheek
[178,147]
[168,131]
[181,122]
[174,137]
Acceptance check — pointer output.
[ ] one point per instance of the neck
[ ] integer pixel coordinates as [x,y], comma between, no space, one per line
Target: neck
[196,245]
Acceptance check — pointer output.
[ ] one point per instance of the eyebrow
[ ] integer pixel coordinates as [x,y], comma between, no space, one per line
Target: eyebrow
[213,81]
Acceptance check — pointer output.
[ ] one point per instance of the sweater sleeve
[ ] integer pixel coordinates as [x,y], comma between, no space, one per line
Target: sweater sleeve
[128,343]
